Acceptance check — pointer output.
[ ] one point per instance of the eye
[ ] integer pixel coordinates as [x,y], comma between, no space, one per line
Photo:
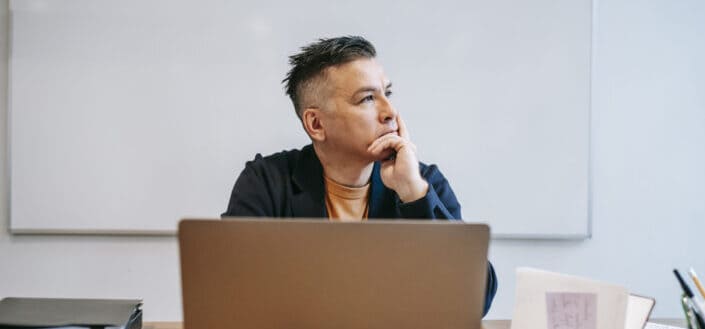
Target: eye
[388,93]
[368,98]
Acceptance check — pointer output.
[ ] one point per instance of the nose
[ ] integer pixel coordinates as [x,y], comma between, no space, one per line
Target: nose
[387,111]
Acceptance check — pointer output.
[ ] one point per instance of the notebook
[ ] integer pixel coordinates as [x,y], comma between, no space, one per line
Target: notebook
[30,313]
[553,300]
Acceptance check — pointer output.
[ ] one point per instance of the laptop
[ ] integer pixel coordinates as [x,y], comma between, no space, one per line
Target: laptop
[289,274]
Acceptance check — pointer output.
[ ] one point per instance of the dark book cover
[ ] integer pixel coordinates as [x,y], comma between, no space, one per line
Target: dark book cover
[30,313]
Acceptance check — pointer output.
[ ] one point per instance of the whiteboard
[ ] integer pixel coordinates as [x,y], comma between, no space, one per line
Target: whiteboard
[126,116]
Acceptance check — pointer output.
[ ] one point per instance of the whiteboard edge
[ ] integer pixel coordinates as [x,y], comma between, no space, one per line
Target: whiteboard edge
[110,232]
[161,233]
[590,156]
[8,114]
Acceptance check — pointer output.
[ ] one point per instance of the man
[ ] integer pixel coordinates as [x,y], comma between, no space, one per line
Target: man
[361,163]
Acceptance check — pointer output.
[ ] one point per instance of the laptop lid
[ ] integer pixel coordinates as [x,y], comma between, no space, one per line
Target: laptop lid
[255,273]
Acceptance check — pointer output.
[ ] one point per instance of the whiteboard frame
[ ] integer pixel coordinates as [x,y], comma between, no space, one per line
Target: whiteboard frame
[169,233]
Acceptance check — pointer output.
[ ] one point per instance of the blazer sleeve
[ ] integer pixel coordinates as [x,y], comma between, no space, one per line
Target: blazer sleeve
[439,202]
[250,195]
[490,289]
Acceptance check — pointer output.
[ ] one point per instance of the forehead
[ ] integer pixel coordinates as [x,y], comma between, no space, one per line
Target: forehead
[355,74]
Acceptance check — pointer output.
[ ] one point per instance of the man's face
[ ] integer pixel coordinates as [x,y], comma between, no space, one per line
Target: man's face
[357,110]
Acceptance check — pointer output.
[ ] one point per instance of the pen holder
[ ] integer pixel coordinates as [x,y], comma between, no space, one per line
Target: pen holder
[689,313]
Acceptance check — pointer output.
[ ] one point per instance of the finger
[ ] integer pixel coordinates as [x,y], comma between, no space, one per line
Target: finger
[381,139]
[394,144]
[403,131]
[391,141]
[388,156]
[383,142]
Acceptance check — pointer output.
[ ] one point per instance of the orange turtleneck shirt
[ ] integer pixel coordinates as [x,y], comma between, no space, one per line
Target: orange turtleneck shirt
[346,204]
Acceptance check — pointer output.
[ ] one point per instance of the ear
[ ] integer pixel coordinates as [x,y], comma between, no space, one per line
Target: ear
[311,119]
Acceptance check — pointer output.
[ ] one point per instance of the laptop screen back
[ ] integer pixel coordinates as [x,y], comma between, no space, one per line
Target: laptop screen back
[266,273]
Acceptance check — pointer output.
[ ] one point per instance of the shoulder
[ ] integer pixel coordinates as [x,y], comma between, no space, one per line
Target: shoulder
[280,162]
[283,167]
[262,186]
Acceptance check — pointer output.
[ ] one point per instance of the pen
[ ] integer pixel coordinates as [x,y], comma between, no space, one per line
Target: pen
[689,299]
[684,285]
[697,282]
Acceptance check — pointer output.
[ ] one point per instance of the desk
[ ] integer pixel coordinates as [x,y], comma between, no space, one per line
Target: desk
[486,324]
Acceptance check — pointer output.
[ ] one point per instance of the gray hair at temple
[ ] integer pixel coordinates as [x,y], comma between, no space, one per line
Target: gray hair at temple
[311,62]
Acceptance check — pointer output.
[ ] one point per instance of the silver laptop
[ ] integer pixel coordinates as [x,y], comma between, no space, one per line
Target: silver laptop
[289,274]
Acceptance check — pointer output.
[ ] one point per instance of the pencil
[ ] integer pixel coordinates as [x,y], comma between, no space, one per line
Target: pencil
[695,279]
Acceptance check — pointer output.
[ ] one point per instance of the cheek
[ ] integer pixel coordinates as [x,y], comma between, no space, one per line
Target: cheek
[355,124]
[364,121]
[362,129]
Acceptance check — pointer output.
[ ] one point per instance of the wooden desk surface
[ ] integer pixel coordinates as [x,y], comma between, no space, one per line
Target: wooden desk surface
[486,324]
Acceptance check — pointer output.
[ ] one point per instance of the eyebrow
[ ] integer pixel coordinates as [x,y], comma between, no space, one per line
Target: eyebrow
[370,88]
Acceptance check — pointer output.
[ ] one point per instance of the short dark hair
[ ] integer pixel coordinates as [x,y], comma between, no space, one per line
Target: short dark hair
[317,56]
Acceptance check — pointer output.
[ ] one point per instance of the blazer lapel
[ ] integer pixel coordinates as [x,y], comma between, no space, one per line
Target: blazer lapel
[382,204]
[309,191]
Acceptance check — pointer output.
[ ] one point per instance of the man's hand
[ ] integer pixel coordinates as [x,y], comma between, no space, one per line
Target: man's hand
[401,171]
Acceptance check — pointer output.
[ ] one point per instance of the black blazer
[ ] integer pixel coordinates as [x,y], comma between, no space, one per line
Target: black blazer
[290,184]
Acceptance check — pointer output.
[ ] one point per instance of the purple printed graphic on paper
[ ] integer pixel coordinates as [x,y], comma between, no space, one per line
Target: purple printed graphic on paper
[571,310]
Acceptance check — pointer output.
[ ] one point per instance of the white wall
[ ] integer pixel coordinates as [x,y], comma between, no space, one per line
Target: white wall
[648,178]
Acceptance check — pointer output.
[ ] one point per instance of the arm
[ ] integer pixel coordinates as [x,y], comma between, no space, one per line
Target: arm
[439,201]
[490,289]
[428,195]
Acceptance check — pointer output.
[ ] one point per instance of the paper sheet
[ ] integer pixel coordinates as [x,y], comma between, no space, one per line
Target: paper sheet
[638,311]
[532,312]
